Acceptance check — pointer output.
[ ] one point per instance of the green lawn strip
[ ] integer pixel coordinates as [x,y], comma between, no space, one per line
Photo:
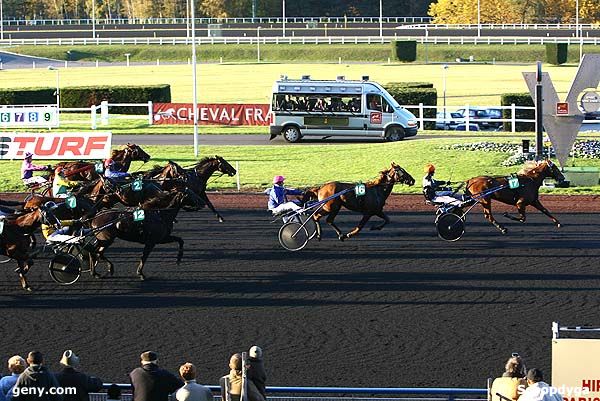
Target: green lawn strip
[306,166]
[477,85]
[302,53]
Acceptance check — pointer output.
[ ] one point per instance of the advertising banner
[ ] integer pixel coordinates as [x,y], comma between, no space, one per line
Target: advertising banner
[55,145]
[576,368]
[211,114]
[28,116]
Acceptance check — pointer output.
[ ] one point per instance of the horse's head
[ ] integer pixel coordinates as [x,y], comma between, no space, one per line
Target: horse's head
[224,167]
[550,169]
[398,174]
[134,152]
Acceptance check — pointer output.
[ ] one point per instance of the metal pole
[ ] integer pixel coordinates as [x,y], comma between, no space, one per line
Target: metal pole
[187,21]
[444,68]
[194,78]
[258,44]
[94,19]
[478,18]
[579,32]
[1,21]
[381,18]
[283,7]
[539,126]
[253,10]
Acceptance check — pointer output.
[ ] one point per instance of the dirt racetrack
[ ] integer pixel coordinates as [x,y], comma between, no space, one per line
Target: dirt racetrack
[398,307]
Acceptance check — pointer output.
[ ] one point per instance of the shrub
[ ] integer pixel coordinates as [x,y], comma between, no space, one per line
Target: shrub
[413,96]
[404,50]
[23,96]
[87,96]
[519,99]
[557,53]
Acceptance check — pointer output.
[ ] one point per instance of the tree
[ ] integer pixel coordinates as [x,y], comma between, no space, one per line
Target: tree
[214,8]
[465,11]
[590,11]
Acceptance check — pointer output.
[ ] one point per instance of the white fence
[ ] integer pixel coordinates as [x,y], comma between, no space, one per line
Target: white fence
[319,40]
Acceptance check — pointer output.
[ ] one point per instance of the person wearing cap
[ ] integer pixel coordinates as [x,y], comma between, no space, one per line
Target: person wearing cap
[151,383]
[191,391]
[36,383]
[54,229]
[113,171]
[61,185]
[16,366]
[27,169]
[278,201]
[435,191]
[69,377]
[537,389]
[506,388]
[255,369]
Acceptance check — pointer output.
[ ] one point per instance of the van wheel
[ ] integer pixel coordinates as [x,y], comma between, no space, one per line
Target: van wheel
[394,134]
[291,134]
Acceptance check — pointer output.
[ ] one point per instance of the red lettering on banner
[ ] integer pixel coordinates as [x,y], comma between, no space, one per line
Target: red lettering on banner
[95,142]
[591,384]
[72,145]
[23,141]
[40,151]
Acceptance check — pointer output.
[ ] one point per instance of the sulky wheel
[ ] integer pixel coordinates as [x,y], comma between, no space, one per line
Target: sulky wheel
[310,225]
[450,227]
[292,236]
[64,268]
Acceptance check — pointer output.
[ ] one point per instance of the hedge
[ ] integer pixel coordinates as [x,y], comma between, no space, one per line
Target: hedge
[411,84]
[404,50]
[89,96]
[413,96]
[519,99]
[557,53]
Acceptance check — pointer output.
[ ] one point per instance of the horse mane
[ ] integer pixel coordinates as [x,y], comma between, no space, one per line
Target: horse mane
[156,169]
[529,167]
[380,178]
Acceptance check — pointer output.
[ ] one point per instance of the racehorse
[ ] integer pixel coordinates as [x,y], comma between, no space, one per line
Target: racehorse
[15,242]
[86,171]
[196,177]
[107,193]
[531,178]
[370,204]
[156,228]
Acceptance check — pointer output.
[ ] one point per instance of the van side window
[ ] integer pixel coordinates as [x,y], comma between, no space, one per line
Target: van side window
[374,102]
[386,107]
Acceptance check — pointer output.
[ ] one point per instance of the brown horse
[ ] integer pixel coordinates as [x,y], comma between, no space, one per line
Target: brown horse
[86,171]
[370,204]
[15,242]
[195,177]
[530,178]
[156,228]
[107,193]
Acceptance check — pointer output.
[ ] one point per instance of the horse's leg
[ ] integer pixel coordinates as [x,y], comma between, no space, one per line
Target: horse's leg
[172,238]
[487,212]
[538,205]
[211,207]
[147,249]
[359,227]
[316,217]
[334,209]
[521,206]
[386,220]
[22,270]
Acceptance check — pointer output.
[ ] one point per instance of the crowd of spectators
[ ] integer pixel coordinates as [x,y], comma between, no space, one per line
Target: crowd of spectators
[30,380]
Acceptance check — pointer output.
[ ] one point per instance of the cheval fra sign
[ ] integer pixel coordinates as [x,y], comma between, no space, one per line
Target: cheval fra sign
[576,368]
[212,114]
[56,146]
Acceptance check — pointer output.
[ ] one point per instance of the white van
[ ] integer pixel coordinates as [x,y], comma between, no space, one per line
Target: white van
[305,107]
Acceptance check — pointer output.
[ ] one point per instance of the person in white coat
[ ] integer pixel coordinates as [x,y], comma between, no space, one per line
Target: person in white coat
[192,391]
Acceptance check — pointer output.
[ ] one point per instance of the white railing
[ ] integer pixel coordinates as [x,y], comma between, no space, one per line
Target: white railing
[569,26]
[105,115]
[238,20]
[320,40]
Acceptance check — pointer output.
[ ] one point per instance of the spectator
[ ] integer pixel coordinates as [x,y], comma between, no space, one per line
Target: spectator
[113,393]
[506,388]
[231,384]
[256,370]
[192,391]
[34,379]
[16,366]
[70,377]
[151,383]
[537,389]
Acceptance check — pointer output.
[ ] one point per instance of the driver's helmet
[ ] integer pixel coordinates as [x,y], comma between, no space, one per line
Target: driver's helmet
[50,205]
[109,163]
[429,168]
[278,179]
[28,155]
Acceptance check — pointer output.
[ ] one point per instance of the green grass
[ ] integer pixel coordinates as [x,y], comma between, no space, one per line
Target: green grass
[296,53]
[252,83]
[312,165]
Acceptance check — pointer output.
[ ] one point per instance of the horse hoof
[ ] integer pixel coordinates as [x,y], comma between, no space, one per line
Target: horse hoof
[221,220]
[342,237]
[28,289]
[96,275]
[142,277]
[557,225]
[503,230]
